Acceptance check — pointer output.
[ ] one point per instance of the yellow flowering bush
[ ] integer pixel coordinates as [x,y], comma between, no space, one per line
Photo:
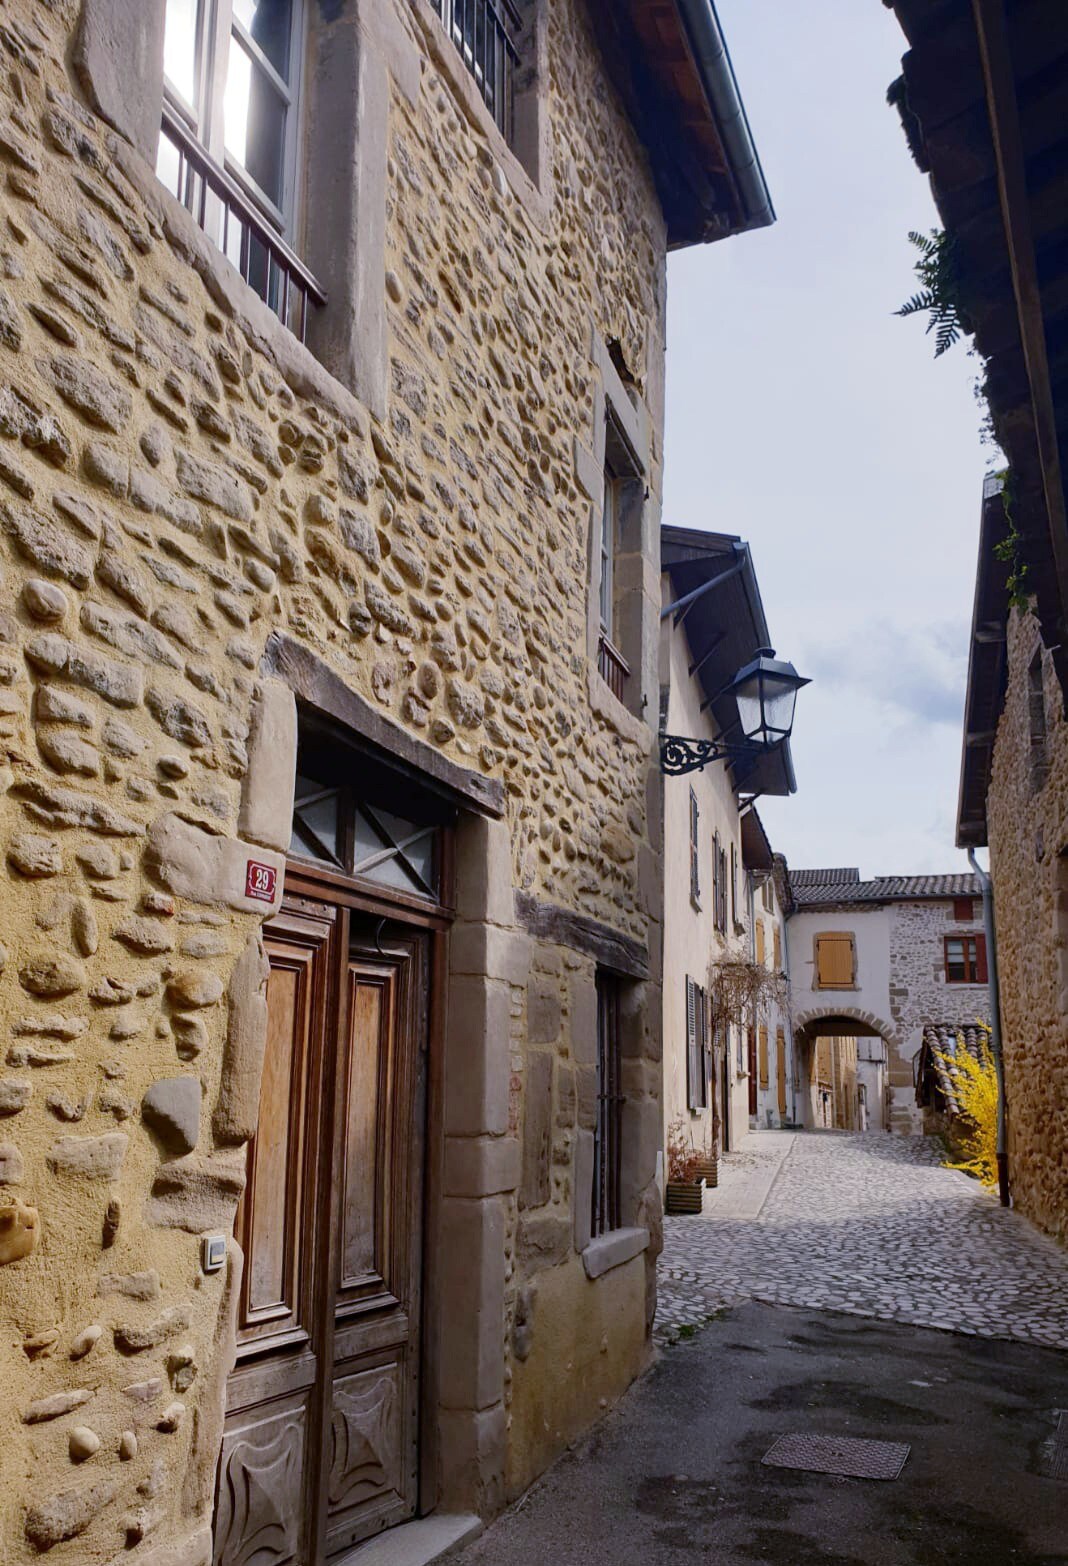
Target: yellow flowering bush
[975,1084]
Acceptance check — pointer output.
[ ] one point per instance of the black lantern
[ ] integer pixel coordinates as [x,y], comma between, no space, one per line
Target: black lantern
[765,690]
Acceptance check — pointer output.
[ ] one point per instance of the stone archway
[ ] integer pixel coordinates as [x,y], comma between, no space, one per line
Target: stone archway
[848,1022]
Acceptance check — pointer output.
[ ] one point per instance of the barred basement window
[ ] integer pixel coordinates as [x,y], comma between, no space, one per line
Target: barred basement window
[229,144]
[607,1142]
[484,32]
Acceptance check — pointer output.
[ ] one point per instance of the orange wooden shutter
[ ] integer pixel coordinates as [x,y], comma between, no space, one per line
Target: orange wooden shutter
[762,1056]
[834,961]
[760,941]
[777,943]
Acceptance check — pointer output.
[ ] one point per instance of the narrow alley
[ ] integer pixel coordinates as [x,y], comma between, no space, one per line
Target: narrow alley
[869,1224]
[761,1314]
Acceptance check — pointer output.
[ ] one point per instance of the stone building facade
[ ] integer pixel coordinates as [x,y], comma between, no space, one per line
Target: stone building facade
[1014,790]
[311,771]
[887,957]
[720,902]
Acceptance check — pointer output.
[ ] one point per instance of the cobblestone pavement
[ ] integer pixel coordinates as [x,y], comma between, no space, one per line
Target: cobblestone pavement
[870,1224]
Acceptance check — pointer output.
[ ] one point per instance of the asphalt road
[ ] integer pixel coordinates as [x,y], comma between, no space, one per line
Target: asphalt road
[673,1475]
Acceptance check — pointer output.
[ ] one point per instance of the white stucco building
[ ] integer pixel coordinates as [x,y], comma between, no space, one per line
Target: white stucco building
[886,958]
[721,904]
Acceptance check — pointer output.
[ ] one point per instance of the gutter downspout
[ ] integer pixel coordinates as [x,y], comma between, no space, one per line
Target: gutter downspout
[995,1021]
[714,63]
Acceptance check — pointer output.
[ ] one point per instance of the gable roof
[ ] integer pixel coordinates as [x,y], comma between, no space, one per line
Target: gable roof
[807,893]
[670,64]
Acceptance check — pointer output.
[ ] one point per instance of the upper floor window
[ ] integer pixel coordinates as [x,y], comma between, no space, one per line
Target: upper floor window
[965,959]
[484,32]
[761,950]
[963,910]
[719,885]
[229,144]
[620,471]
[776,941]
[836,961]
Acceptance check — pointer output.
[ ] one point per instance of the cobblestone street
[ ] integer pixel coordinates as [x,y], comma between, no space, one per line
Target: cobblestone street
[868,1224]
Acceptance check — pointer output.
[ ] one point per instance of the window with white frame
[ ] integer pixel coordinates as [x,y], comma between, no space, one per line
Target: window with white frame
[230,137]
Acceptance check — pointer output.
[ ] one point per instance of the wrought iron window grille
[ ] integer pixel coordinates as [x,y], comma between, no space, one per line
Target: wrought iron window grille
[484,32]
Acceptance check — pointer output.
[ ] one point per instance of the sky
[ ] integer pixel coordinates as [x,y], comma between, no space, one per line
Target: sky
[805,416]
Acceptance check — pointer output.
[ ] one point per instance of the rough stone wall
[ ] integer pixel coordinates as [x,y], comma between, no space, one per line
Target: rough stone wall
[1028,836]
[172,490]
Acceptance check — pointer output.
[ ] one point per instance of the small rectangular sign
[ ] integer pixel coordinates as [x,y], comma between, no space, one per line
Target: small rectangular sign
[260,881]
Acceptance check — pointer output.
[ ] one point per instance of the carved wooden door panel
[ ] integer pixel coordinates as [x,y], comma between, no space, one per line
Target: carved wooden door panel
[372,1439]
[268,1470]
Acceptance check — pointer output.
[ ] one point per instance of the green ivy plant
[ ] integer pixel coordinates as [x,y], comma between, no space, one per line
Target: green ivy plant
[939,296]
[1009,549]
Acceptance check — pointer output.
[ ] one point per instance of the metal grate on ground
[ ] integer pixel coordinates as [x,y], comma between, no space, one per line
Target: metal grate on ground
[842,1455]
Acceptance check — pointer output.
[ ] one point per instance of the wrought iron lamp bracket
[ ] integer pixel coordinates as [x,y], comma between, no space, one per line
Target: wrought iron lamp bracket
[679,755]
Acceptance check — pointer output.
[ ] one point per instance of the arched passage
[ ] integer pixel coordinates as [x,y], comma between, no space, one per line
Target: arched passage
[833,1076]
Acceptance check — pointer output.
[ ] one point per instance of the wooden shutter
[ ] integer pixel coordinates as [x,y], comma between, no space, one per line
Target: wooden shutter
[723,889]
[715,881]
[780,1069]
[963,910]
[980,960]
[777,942]
[762,1055]
[692,1068]
[734,883]
[695,849]
[834,961]
[760,943]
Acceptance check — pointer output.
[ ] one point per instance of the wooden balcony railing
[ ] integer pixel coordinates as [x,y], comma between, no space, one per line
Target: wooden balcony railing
[613,667]
[229,215]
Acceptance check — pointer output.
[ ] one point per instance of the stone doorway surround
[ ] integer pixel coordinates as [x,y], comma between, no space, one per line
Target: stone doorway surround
[472,1157]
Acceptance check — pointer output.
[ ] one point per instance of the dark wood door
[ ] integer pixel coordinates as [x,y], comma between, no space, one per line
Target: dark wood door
[751,1063]
[321,1442]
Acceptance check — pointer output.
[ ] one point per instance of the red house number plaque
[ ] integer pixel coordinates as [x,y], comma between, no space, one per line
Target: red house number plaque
[260,881]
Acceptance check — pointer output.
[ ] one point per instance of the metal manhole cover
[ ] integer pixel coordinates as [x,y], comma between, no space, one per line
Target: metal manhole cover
[838,1455]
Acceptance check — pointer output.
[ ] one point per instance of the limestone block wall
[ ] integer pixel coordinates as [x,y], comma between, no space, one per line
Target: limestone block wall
[1028,831]
[178,480]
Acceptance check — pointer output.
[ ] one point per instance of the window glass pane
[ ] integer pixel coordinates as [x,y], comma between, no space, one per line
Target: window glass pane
[255,122]
[394,852]
[270,24]
[180,46]
[315,823]
[169,166]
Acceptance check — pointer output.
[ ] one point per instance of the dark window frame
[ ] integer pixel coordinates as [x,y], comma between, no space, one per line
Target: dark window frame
[972,961]
[607,1205]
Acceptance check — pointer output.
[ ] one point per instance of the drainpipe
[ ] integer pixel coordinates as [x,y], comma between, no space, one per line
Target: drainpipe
[717,74]
[995,1020]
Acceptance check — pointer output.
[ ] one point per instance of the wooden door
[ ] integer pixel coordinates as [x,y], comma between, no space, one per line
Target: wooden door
[372,1457]
[321,1442]
[751,1047]
[266,1501]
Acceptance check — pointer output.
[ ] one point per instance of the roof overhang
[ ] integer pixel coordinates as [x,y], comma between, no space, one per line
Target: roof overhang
[987,671]
[756,850]
[724,627]
[984,106]
[669,61]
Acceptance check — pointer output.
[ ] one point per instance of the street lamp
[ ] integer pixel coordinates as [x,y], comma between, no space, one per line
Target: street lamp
[765,690]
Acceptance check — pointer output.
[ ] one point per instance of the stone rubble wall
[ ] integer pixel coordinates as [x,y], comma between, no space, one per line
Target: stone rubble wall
[174,488]
[1028,836]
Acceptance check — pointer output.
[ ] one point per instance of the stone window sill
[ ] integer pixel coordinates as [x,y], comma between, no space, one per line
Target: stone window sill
[612,1250]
